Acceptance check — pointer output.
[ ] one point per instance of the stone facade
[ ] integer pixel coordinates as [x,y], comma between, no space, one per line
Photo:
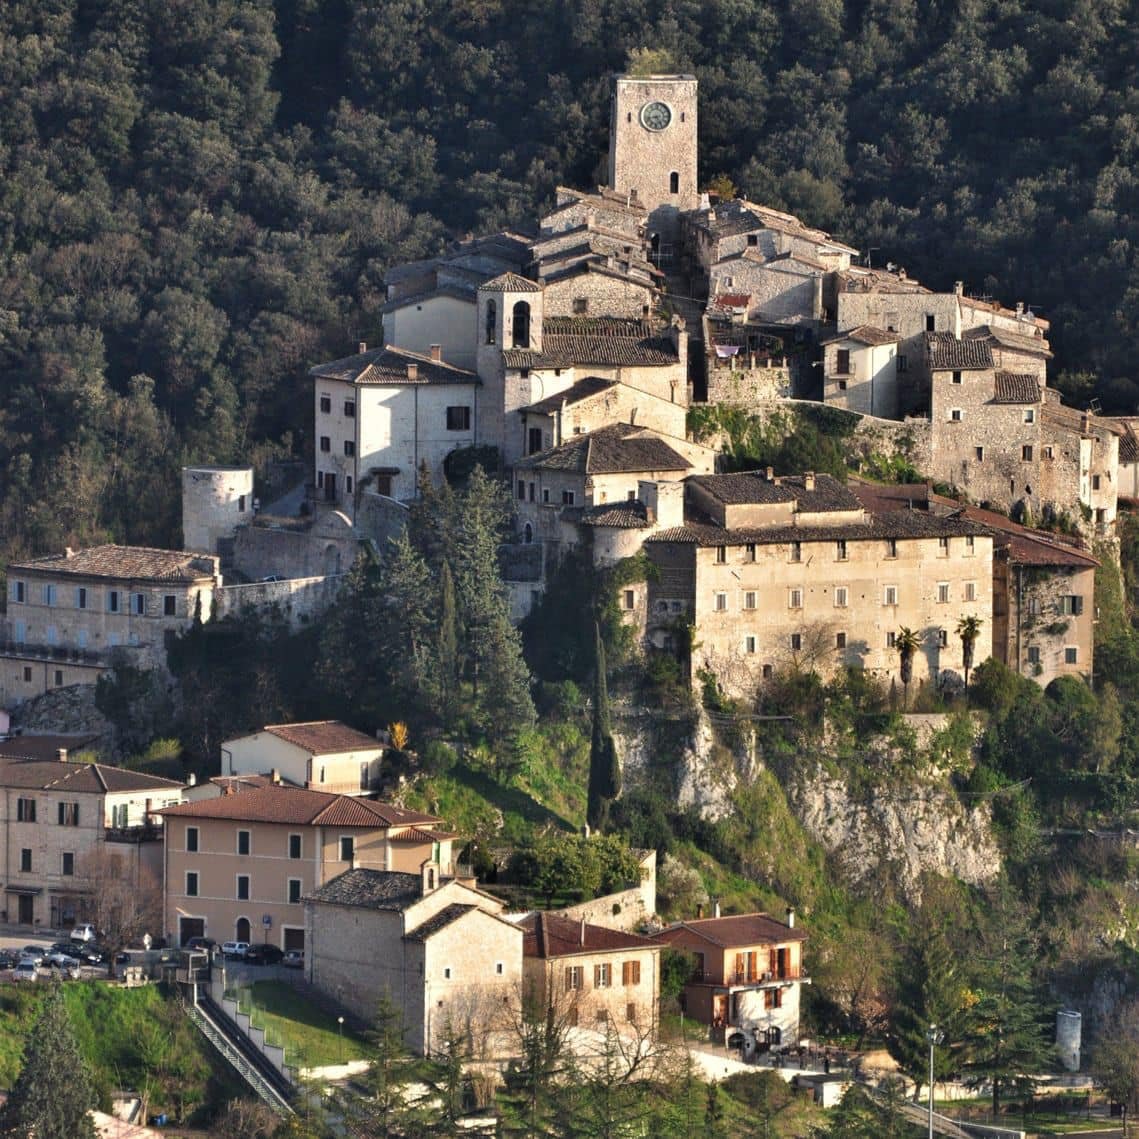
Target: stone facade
[215,502]
[604,289]
[321,545]
[296,600]
[447,319]
[860,372]
[742,381]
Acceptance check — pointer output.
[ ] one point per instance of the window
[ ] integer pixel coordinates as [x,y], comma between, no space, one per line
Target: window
[631,1013]
[67,863]
[241,504]
[20,633]
[68,814]
[545,494]
[943,592]
[796,551]
[1046,452]
[721,555]
[602,976]
[350,408]
[1071,655]
[51,635]
[930,322]
[749,552]
[749,600]
[326,404]
[753,239]
[943,547]
[365,775]
[955,415]
[19,592]
[768,671]
[1072,605]
[521,491]
[112,600]
[58,676]
[138,604]
[773,998]
[979,454]
[630,973]
[49,594]
[903,363]
[169,605]
[956,378]
[347,848]
[970,591]
[1095,482]
[348,484]
[192,840]
[721,602]
[25,810]
[499,968]
[842,385]
[601,1016]
[1034,606]
[446,974]
[942,638]
[674,183]
[796,642]
[81,597]
[1033,654]
[491,320]
[567,498]
[243,887]
[842,361]
[459,418]
[325,444]
[574,980]
[26,860]
[191,883]
[27,676]
[349,448]
[840,597]
[794,599]
[890,595]
[580,306]
[521,325]
[294,846]
[891,547]
[294,894]
[242,842]
[840,552]
[970,545]
[1026,453]
[384,485]
[891,639]
[749,645]
[630,599]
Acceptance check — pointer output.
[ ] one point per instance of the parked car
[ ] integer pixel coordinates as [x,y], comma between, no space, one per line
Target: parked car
[84,932]
[34,953]
[67,966]
[26,970]
[235,948]
[62,947]
[7,960]
[294,959]
[58,957]
[263,955]
[91,954]
[201,943]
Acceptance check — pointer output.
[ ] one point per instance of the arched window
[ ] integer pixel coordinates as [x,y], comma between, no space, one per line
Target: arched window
[674,183]
[491,320]
[528,534]
[521,325]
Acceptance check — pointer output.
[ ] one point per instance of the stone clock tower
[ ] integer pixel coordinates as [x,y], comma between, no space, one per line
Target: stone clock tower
[652,145]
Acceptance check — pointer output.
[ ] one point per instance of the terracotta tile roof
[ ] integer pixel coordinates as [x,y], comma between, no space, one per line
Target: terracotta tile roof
[136,563]
[568,341]
[603,199]
[418,835]
[582,389]
[738,930]
[550,935]
[729,303]
[727,219]
[81,778]
[232,784]
[510,283]
[615,449]
[388,366]
[1014,341]
[1129,445]
[1015,387]
[445,917]
[753,488]
[857,279]
[1074,419]
[43,747]
[371,889]
[947,353]
[629,515]
[299,806]
[866,334]
[324,737]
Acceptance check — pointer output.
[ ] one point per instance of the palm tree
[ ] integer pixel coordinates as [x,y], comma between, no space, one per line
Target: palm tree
[906,642]
[968,629]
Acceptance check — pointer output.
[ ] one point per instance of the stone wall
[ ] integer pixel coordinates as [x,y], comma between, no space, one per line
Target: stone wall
[746,382]
[326,545]
[604,294]
[299,600]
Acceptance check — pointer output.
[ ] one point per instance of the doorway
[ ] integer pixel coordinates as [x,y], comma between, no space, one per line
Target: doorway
[241,930]
[25,909]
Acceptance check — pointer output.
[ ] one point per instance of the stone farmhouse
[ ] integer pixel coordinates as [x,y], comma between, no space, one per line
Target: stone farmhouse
[239,865]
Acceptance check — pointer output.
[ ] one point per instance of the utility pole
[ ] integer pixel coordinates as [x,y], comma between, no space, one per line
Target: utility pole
[935,1036]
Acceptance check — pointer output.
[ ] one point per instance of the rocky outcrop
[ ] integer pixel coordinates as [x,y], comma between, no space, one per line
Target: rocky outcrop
[66,712]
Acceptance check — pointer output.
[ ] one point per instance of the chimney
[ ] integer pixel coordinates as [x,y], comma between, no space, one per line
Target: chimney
[437,352]
[716,908]
[809,481]
[363,347]
[770,473]
[68,552]
[413,372]
[790,918]
[274,776]
[958,288]
[61,755]
[583,931]
[192,780]
[1020,308]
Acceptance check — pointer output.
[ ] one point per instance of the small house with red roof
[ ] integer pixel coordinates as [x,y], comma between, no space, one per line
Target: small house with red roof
[747,972]
[591,975]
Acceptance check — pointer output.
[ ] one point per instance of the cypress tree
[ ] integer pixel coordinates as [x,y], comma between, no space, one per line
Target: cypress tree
[53,1097]
[604,770]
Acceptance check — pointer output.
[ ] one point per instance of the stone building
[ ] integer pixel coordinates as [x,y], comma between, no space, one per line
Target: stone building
[590,975]
[776,572]
[215,502]
[440,951]
[58,816]
[860,371]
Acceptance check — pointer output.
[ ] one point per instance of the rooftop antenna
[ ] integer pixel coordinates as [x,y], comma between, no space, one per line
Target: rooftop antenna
[1094,406]
[871,249]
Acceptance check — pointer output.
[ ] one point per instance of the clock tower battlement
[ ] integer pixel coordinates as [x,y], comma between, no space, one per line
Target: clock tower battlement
[652,145]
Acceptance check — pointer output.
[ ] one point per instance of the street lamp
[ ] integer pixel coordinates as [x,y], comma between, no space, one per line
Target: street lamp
[340,1030]
[935,1036]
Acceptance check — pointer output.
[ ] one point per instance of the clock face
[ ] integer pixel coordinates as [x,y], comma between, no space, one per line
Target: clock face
[656,116]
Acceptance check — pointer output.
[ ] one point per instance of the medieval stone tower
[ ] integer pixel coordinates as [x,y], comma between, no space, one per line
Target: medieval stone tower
[652,146]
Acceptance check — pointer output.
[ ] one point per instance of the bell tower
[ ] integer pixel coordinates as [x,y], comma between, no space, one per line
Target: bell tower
[652,146]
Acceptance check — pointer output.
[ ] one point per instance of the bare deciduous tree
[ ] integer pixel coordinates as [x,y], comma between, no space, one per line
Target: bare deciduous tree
[121,897]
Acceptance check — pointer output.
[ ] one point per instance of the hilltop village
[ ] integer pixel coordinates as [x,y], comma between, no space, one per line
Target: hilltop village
[591,366]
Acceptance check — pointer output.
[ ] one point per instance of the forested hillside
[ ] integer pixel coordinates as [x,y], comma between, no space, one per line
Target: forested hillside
[199,198]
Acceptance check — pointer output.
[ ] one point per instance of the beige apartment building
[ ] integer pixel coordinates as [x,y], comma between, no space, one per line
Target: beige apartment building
[238,865]
[591,975]
[322,755]
[779,572]
[56,815]
[439,950]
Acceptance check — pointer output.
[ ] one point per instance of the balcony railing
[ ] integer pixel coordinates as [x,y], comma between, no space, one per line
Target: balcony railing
[144,832]
[63,653]
[735,979]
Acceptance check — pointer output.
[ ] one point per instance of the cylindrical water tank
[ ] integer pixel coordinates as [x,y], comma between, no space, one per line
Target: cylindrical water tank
[1068,1029]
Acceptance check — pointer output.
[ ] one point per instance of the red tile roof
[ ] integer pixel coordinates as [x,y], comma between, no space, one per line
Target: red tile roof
[551,935]
[135,563]
[324,737]
[738,930]
[90,778]
[300,807]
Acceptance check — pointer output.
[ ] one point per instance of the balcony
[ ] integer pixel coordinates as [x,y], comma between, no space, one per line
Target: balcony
[756,979]
[26,650]
[144,832]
